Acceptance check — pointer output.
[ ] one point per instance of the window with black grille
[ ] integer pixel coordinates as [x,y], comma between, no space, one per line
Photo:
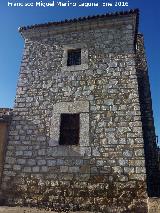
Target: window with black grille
[74,57]
[69,129]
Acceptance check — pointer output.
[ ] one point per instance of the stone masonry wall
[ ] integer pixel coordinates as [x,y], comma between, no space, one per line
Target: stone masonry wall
[106,171]
[150,142]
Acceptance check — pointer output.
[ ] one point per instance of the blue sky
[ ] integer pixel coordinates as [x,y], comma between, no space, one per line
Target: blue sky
[11,43]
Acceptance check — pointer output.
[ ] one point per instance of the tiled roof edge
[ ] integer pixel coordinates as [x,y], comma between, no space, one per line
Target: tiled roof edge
[121,13]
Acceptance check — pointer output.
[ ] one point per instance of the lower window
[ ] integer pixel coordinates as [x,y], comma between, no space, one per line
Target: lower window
[69,129]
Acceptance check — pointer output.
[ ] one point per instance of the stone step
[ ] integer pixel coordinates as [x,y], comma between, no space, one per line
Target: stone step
[6,209]
[153,207]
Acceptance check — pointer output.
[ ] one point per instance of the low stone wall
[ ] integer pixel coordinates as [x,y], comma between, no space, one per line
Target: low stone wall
[5,116]
[154,205]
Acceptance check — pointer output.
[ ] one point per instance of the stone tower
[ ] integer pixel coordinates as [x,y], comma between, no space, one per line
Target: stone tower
[77,136]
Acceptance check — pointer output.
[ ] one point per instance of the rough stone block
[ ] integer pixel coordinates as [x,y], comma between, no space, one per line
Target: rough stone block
[41,162]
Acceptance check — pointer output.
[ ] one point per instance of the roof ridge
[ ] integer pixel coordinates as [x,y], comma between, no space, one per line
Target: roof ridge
[132,11]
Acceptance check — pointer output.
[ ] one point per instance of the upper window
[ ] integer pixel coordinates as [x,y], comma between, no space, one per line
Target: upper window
[69,129]
[74,57]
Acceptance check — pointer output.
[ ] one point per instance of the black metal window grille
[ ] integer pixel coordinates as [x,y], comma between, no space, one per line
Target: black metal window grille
[69,129]
[74,57]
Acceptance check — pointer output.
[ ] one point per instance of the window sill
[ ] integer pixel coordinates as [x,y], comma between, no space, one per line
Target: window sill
[75,67]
